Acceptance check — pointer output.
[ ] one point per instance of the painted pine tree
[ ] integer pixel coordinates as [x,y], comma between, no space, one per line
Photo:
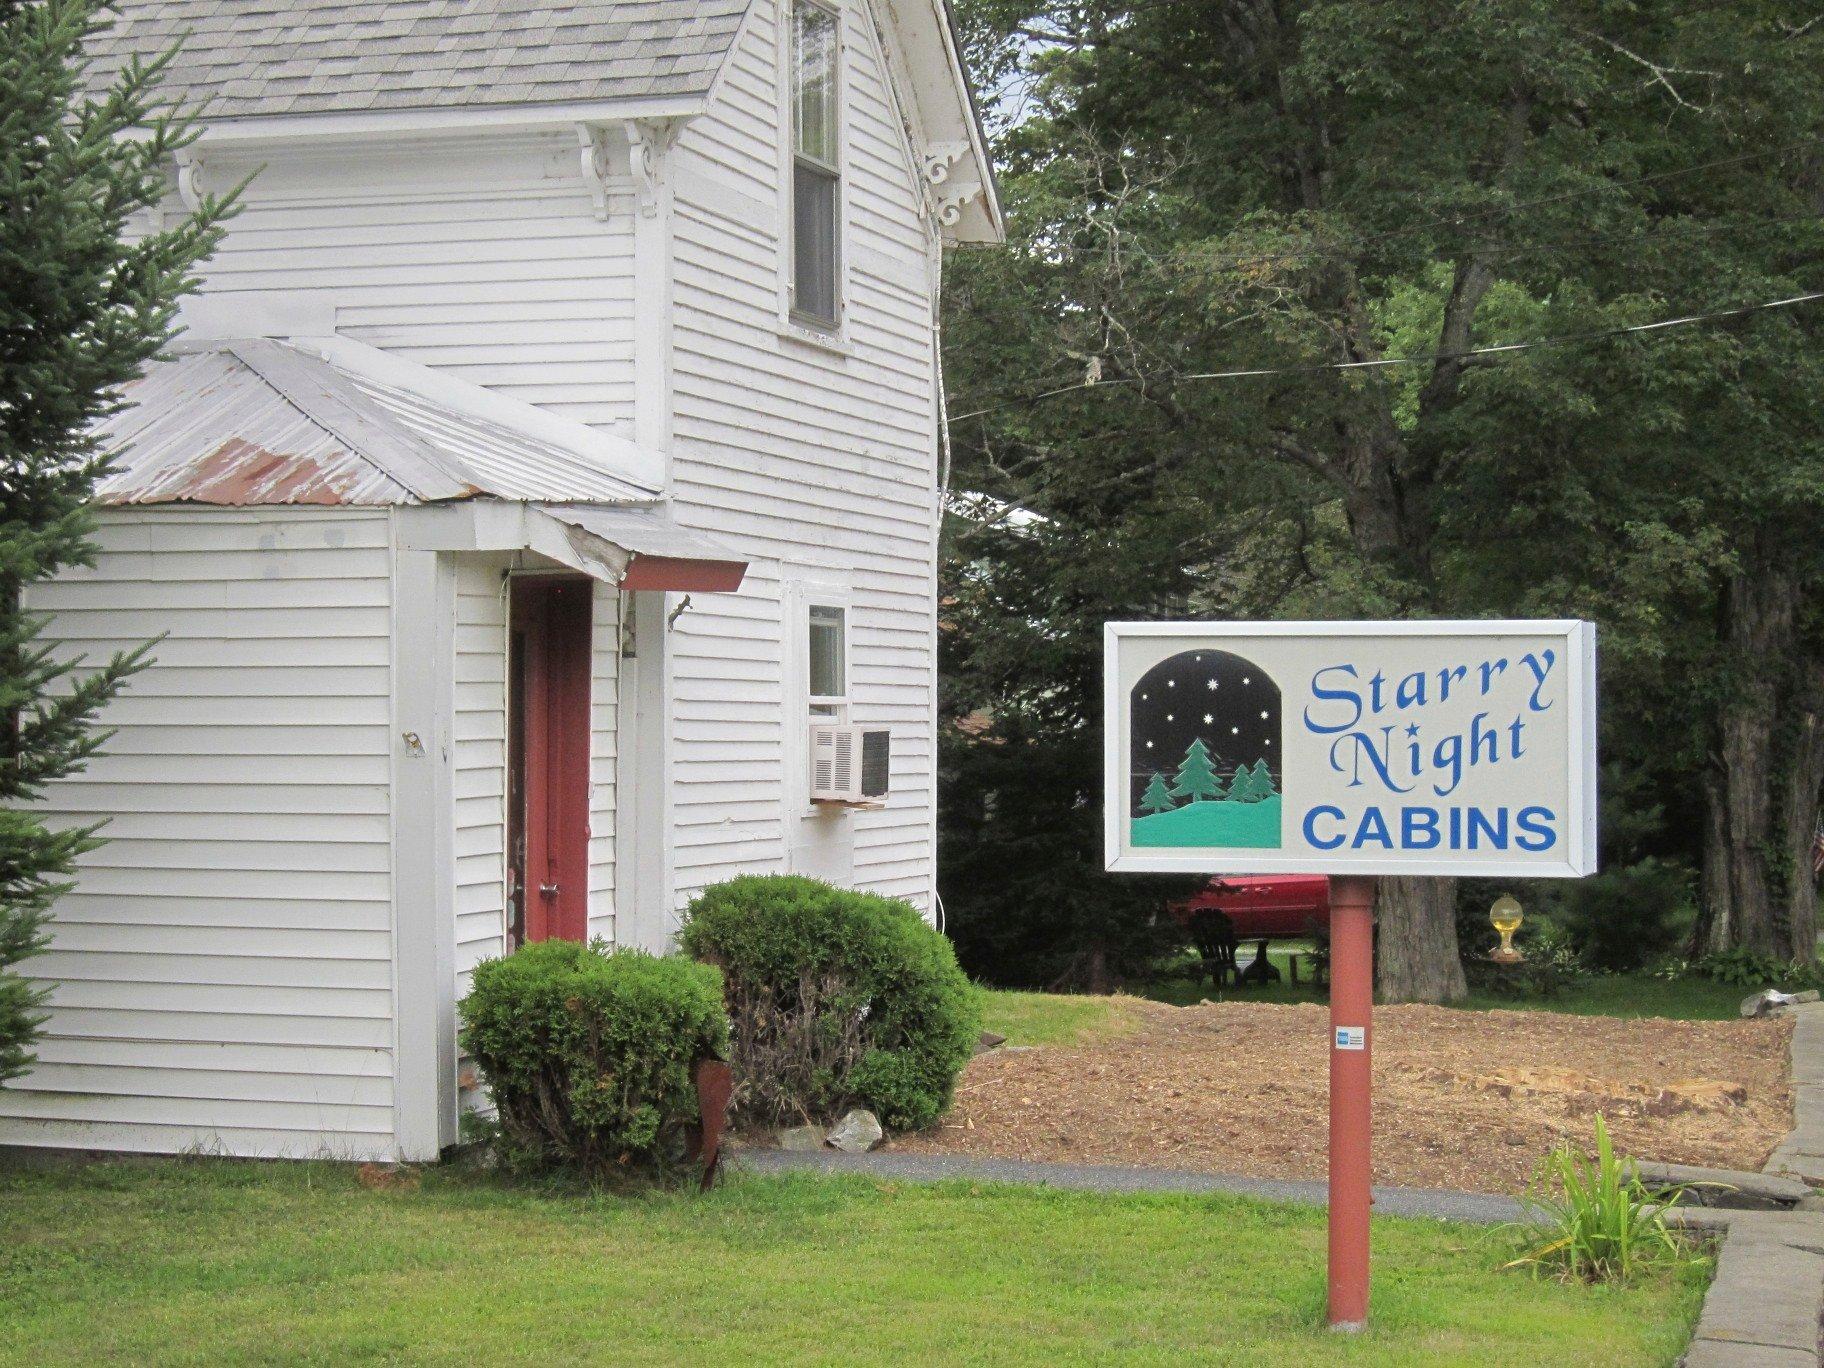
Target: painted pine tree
[85,309]
[1158,796]
[1241,786]
[1262,777]
[1196,775]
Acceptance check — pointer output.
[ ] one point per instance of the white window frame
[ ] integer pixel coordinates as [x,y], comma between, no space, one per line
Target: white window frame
[803,589]
[827,707]
[792,322]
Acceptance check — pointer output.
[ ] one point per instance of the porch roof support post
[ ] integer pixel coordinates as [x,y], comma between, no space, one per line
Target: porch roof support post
[423,854]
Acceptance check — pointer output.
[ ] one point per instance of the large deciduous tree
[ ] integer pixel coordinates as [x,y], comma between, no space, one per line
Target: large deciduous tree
[83,306]
[1223,185]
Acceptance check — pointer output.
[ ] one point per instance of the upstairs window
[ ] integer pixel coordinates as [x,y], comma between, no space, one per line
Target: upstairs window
[816,176]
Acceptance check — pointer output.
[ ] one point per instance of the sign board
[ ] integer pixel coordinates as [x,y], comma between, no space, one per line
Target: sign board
[1447,748]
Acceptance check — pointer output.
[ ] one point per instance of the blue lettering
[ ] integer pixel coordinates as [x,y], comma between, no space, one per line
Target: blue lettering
[1416,823]
[1447,755]
[1496,830]
[1536,825]
[1311,836]
[1541,666]
[1377,759]
[1341,695]
[1373,828]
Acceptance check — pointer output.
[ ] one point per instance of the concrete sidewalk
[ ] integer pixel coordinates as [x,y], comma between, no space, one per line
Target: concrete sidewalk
[1764,1306]
[1479,1208]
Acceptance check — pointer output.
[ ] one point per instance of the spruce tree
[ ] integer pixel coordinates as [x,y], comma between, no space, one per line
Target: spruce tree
[1158,797]
[1241,786]
[1262,778]
[82,309]
[1196,776]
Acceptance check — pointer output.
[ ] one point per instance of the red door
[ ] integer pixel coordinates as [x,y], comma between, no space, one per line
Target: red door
[548,760]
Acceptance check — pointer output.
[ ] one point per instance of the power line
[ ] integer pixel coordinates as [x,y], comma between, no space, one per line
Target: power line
[1499,349]
[1369,240]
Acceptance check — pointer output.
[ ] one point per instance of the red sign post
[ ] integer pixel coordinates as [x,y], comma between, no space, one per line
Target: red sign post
[1351,1079]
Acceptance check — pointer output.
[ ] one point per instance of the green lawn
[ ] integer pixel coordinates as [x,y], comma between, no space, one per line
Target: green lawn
[1052,1018]
[1626,995]
[213,1261]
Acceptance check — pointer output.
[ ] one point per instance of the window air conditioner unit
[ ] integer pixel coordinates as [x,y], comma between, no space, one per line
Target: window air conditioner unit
[849,764]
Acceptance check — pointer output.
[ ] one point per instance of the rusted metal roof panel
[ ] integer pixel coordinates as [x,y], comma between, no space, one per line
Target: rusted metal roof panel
[206,428]
[262,422]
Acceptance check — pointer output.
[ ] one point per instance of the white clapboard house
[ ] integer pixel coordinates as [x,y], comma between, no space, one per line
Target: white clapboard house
[538,519]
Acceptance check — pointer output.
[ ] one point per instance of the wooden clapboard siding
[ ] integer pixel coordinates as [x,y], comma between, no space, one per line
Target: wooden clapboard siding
[481,258]
[604,683]
[480,761]
[801,453]
[222,974]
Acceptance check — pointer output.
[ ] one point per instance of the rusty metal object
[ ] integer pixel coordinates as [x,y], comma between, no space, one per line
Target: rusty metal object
[715,1087]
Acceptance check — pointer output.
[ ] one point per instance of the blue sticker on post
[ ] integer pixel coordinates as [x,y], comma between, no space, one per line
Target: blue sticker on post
[1351,1037]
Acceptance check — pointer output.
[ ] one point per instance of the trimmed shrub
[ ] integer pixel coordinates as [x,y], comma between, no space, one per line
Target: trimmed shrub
[835,999]
[589,1053]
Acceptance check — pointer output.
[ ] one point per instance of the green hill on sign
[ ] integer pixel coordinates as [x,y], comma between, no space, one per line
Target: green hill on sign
[1242,825]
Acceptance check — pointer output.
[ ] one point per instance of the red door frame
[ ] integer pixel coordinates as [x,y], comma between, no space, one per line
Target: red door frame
[549,761]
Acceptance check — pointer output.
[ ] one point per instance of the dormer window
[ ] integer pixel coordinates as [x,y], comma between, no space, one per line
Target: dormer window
[816,171]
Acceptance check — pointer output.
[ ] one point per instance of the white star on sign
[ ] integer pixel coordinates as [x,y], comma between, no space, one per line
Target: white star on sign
[1208,718]
[1210,685]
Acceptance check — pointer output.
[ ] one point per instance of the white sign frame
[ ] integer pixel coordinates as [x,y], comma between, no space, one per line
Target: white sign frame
[1579,858]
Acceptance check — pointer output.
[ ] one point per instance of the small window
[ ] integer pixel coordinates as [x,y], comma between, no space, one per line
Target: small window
[828,666]
[816,177]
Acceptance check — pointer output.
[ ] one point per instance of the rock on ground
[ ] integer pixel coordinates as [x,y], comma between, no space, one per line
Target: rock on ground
[856,1133]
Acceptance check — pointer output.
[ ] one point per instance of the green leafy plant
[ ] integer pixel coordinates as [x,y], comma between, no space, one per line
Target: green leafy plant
[589,1053]
[1745,968]
[1593,1219]
[836,998]
[1551,965]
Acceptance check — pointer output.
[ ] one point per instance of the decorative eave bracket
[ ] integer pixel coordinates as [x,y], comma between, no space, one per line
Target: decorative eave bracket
[649,141]
[592,148]
[946,197]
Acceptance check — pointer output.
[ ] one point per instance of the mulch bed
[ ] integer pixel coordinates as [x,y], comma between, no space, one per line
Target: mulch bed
[1464,1100]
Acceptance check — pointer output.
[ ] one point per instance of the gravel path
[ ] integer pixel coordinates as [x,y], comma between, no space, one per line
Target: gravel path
[931,1168]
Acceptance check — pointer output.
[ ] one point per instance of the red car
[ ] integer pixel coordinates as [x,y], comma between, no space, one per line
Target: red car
[1258,907]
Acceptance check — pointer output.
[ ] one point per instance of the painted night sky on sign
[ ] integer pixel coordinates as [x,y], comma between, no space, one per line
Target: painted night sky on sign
[1204,730]
[1352,747]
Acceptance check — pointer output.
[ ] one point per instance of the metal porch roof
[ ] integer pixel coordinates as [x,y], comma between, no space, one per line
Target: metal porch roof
[264,422]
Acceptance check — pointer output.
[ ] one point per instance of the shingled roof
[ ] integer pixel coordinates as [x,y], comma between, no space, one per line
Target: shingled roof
[257,58]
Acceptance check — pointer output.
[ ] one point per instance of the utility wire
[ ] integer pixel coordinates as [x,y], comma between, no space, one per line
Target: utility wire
[1447,221]
[1499,349]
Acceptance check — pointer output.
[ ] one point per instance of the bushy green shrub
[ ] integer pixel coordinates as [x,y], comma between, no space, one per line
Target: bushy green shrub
[1625,918]
[589,1053]
[835,998]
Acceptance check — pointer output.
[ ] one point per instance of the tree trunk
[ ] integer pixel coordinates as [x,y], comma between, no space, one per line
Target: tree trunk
[1416,955]
[1761,785]
[1799,901]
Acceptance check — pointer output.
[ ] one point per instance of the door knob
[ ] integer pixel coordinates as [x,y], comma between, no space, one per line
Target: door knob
[549,890]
